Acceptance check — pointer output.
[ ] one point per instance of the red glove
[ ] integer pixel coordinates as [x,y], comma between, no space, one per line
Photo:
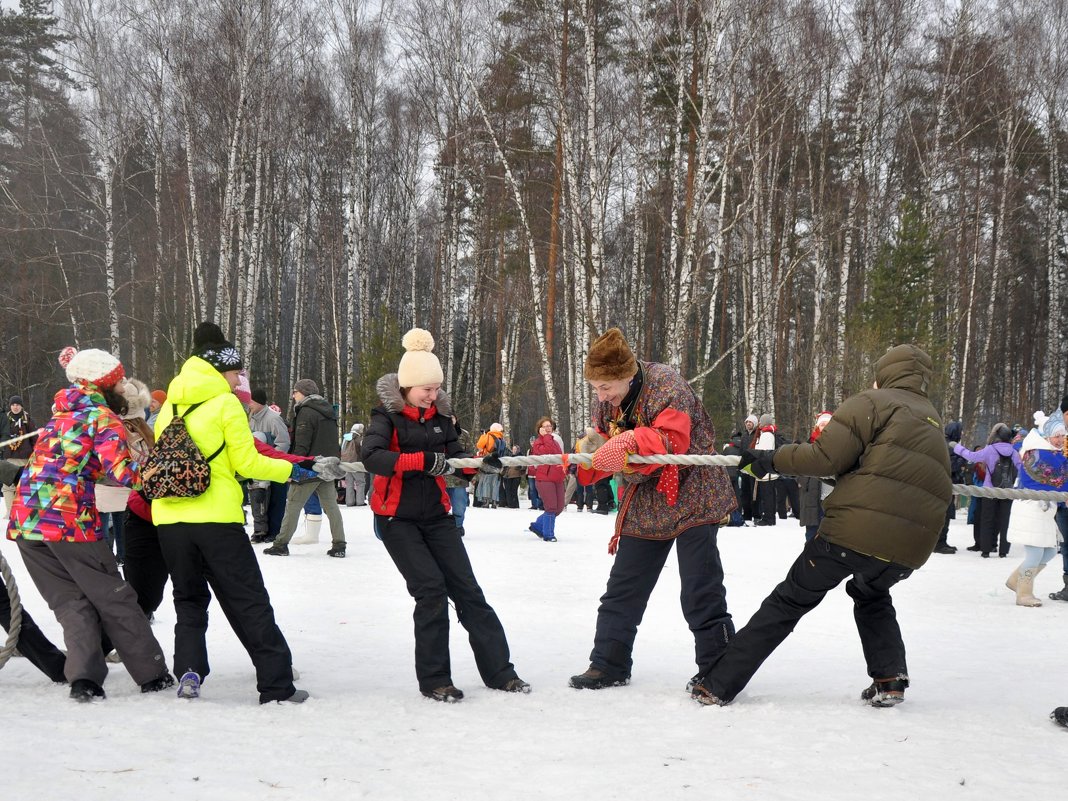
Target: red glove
[612,456]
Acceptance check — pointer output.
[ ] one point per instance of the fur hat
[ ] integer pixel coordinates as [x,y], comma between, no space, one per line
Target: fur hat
[91,366]
[259,394]
[137,398]
[159,396]
[244,394]
[419,366]
[306,387]
[610,358]
[211,346]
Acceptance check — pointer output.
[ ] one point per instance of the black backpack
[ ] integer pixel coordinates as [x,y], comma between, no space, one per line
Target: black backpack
[1004,475]
[176,468]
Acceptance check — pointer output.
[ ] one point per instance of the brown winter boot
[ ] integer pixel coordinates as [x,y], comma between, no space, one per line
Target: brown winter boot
[1010,582]
[1025,586]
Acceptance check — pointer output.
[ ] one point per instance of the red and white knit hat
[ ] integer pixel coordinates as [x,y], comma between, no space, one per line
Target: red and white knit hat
[92,366]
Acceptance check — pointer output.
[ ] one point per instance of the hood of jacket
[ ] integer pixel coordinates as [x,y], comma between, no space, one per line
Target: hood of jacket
[1003,448]
[78,397]
[389,392]
[196,382]
[319,404]
[904,367]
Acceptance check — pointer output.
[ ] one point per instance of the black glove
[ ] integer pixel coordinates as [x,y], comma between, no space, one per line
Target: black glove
[491,464]
[436,464]
[308,464]
[760,463]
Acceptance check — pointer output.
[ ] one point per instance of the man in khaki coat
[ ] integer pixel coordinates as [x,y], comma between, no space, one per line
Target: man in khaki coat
[885,450]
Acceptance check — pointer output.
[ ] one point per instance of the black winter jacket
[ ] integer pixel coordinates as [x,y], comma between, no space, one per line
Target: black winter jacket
[315,428]
[397,428]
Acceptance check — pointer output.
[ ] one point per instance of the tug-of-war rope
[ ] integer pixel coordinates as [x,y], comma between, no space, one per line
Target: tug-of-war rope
[584,459]
[708,460]
[16,612]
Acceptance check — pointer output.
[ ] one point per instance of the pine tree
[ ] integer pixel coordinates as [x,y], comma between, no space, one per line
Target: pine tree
[30,73]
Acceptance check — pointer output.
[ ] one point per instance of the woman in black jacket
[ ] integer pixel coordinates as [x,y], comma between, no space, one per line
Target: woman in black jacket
[410,437]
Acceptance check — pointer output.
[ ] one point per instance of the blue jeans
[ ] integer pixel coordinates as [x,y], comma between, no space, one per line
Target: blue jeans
[532,493]
[458,500]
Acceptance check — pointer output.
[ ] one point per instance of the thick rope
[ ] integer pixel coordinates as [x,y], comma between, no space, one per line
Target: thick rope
[13,440]
[709,460]
[16,612]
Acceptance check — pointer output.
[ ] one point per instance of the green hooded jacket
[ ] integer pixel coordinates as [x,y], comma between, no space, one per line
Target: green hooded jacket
[886,450]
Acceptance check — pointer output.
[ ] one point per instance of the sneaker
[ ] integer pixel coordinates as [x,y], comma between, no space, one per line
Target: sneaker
[704,696]
[516,685]
[189,685]
[159,683]
[1060,716]
[337,550]
[447,694]
[886,692]
[596,679]
[84,691]
[945,549]
[277,550]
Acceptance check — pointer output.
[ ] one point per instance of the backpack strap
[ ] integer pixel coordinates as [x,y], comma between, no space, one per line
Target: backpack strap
[186,414]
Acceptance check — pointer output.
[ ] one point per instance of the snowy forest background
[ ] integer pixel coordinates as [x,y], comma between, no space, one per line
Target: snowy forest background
[765,193]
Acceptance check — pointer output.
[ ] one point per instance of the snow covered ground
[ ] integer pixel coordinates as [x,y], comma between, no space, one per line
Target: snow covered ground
[985,676]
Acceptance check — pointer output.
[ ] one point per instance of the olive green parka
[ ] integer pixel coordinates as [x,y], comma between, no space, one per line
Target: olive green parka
[885,449]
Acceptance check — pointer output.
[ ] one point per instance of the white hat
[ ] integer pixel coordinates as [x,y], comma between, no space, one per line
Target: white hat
[92,366]
[419,366]
[357,428]
[823,417]
[752,419]
[497,427]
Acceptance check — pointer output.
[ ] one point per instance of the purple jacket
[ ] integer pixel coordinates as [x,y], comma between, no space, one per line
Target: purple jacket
[989,456]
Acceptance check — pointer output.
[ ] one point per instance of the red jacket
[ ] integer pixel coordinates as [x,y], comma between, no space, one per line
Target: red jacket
[544,445]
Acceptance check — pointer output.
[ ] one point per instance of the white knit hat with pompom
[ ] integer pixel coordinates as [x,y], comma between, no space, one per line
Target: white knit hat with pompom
[92,366]
[419,366]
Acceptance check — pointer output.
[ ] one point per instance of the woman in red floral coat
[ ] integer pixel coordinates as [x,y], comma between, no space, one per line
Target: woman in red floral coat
[648,408]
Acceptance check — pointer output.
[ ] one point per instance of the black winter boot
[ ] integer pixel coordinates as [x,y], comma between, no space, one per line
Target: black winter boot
[337,550]
[447,694]
[83,690]
[1060,716]
[159,683]
[596,679]
[886,692]
[1062,594]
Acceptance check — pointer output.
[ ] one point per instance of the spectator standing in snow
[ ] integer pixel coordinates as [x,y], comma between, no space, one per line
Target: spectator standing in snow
[766,487]
[268,500]
[510,478]
[355,494]
[994,513]
[488,486]
[15,422]
[314,434]
[550,479]
[885,448]
[407,444]
[812,488]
